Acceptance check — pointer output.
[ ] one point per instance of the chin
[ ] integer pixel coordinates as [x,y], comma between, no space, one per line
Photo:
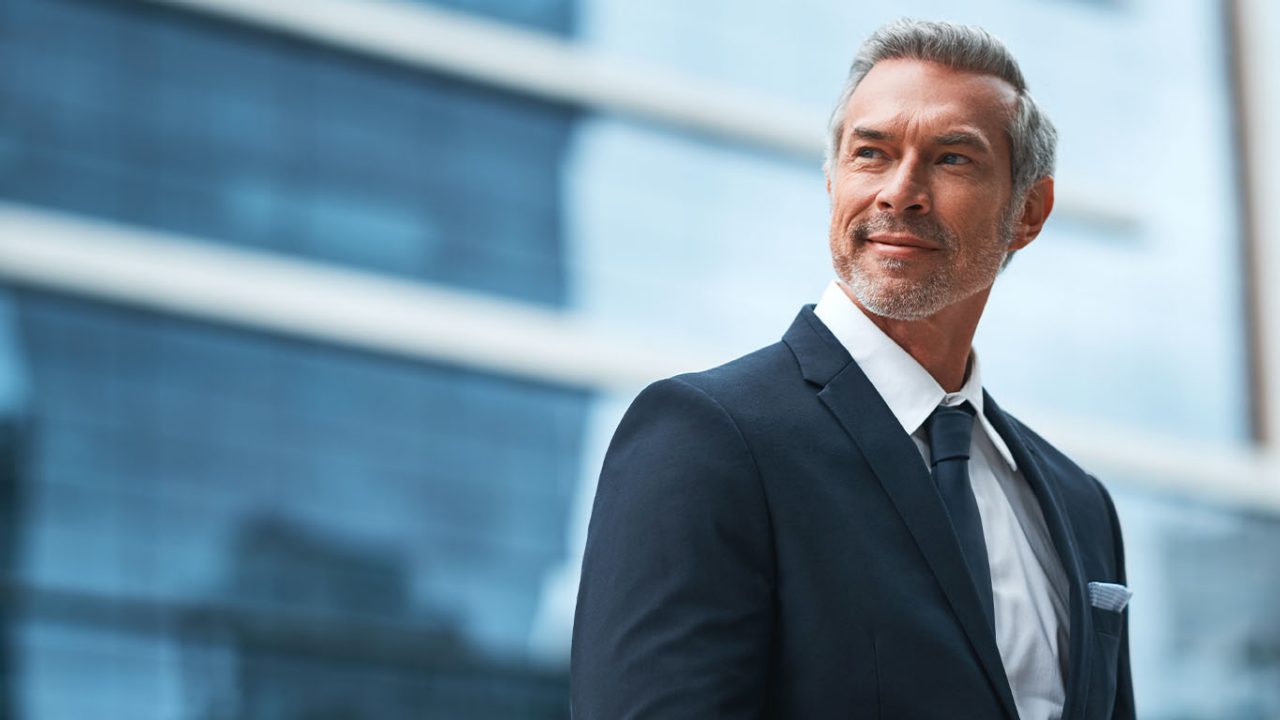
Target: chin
[897,297]
[881,270]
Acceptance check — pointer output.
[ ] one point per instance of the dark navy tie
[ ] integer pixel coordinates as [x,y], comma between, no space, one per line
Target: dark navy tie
[949,430]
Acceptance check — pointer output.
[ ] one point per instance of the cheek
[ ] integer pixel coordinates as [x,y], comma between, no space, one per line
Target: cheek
[973,209]
[847,204]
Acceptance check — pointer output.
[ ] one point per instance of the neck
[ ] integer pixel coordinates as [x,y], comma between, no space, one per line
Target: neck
[941,342]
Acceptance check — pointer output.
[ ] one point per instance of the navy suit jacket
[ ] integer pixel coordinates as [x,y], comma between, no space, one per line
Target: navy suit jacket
[766,542]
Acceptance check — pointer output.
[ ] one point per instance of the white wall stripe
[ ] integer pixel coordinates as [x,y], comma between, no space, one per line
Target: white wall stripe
[264,292]
[275,294]
[528,63]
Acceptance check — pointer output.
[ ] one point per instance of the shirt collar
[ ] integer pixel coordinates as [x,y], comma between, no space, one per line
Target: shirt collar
[907,388]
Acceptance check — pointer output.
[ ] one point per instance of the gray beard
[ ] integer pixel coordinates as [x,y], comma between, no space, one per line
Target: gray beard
[917,303]
[933,294]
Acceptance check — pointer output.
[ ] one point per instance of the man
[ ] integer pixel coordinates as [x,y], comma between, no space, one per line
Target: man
[843,524]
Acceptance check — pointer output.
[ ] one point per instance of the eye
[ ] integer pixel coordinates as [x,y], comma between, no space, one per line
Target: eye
[867,153]
[954,159]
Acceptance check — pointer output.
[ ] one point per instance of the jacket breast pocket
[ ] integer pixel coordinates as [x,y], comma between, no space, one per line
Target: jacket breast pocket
[1108,622]
[1107,627]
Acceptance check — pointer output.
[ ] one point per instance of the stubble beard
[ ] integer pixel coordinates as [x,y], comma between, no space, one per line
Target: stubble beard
[897,298]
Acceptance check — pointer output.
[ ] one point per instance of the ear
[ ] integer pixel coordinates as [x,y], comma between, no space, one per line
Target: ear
[826,173]
[1035,211]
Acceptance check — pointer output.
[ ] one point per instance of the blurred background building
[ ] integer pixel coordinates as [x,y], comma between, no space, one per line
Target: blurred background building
[317,316]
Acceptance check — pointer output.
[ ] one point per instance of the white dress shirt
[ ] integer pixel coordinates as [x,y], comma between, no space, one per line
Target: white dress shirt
[1028,584]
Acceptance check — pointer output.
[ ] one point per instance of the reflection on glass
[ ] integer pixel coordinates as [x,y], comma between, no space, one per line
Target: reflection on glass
[252,527]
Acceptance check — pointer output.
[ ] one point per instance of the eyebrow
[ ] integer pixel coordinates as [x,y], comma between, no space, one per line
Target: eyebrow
[962,137]
[957,137]
[867,133]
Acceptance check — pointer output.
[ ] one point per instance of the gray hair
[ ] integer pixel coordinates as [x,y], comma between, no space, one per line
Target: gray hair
[1032,137]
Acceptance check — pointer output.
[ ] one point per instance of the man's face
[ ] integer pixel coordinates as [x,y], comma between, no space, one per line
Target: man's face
[921,208]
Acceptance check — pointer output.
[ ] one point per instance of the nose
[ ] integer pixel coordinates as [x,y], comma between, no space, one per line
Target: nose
[905,190]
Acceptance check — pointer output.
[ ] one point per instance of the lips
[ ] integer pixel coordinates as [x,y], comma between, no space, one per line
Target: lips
[903,241]
[899,246]
[901,238]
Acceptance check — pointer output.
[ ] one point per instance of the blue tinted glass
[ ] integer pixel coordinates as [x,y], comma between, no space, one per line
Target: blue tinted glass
[246,520]
[172,121]
[1205,641]
[551,16]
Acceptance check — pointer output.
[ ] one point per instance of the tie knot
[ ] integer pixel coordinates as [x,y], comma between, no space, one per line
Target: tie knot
[949,430]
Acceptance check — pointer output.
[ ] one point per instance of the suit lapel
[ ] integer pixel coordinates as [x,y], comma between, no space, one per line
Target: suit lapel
[1044,484]
[897,464]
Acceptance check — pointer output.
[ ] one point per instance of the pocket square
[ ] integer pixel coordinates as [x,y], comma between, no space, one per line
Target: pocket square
[1109,596]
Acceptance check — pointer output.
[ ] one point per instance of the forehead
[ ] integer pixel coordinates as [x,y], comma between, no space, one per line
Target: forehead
[899,95]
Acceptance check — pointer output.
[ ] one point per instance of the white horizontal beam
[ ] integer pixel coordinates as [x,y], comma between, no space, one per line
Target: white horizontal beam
[264,292]
[279,295]
[528,63]
[538,64]
[1235,476]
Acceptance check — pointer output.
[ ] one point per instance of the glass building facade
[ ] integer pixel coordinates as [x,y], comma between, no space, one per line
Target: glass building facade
[201,518]
[204,521]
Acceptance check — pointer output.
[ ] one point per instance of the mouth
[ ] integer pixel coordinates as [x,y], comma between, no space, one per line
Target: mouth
[900,245]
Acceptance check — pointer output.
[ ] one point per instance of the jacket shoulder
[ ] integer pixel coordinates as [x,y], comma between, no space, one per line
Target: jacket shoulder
[1073,480]
[744,380]
[765,362]
[1058,460]
[1051,454]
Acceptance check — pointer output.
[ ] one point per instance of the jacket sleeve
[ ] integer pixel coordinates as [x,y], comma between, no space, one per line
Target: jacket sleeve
[675,603]
[1124,706]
